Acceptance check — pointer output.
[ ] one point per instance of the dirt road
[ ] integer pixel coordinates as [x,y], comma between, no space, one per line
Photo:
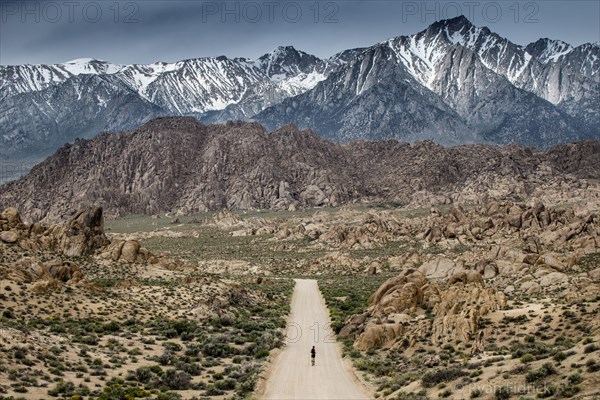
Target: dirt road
[291,376]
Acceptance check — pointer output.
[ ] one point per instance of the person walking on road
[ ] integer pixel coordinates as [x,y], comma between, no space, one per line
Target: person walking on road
[313,354]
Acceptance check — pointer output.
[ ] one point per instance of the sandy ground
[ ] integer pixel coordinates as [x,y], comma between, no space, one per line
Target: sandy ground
[290,376]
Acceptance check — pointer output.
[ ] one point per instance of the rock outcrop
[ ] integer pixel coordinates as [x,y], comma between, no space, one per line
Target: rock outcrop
[81,236]
[30,269]
[455,308]
[440,268]
[54,253]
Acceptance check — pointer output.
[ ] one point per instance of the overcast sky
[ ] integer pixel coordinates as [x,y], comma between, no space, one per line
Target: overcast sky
[41,32]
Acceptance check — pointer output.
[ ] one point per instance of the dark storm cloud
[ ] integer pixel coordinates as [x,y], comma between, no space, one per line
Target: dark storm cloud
[147,31]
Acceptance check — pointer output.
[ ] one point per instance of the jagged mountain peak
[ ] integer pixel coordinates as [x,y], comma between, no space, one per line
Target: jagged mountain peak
[421,52]
[456,24]
[286,60]
[546,50]
[281,53]
[424,53]
[284,50]
[455,30]
[461,31]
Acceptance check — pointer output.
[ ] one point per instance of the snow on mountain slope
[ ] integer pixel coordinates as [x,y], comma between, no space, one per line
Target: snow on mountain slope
[419,56]
[422,53]
[45,105]
[501,92]
[82,106]
[16,79]
[459,99]
[90,66]
[184,87]
[547,50]
[371,97]
[584,60]
[550,69]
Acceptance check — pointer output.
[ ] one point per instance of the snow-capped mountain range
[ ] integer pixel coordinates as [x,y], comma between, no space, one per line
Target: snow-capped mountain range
[456,83]
[453,83]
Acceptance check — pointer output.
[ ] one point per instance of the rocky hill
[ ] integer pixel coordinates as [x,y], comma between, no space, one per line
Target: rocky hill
[177,164]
